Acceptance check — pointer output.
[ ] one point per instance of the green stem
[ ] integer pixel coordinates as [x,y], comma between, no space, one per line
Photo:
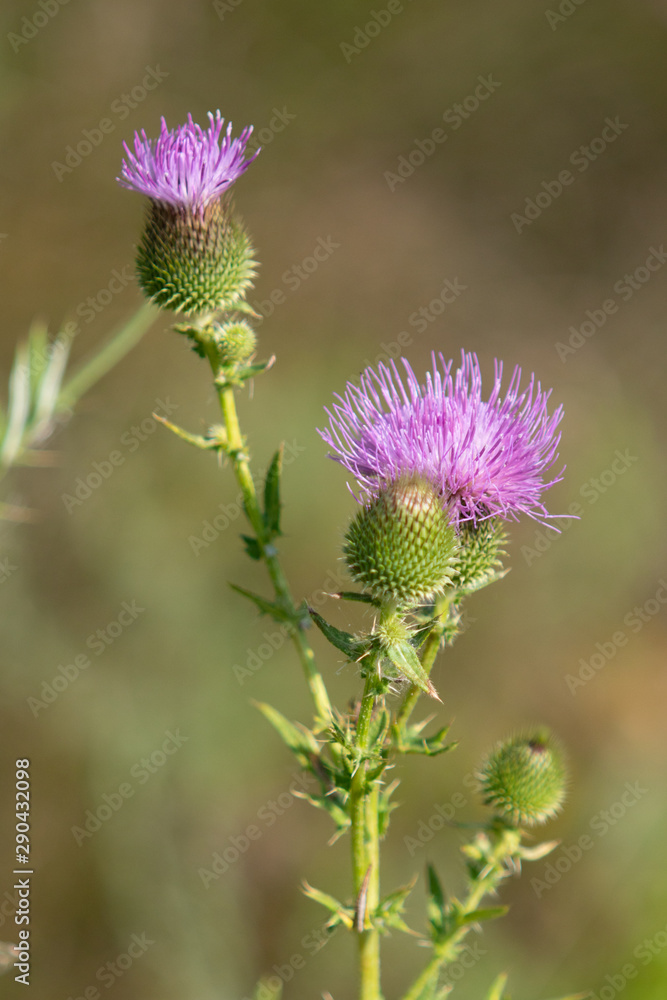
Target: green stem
[366,851]
[235,449]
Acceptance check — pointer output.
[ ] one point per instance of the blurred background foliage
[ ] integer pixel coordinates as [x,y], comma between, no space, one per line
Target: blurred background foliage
[323,176]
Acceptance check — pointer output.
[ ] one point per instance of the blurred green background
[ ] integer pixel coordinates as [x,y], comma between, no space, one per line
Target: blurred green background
[334,122]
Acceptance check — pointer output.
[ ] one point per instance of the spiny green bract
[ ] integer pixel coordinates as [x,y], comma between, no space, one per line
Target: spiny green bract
[478,562]
[401,547]
[194,262]
[523,779]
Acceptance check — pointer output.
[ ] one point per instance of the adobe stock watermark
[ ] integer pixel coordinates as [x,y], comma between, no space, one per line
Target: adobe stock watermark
[566,9]
[229,513]
[581,158]
[645,952]
[564,859]
[235,846]
[591,491]
[279,974]
[97,643]
[87,483]
[454,116]
[119,109]
[87,310]
[277,637]
[140,773]
[605,651]
[364,34]
[443,813]
[43,13]
[293,278]
[109,973]
[420,320]
[625,288]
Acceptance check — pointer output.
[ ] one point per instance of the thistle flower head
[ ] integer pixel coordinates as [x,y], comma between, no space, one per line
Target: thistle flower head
[186,167]
[194,256]
[523,779]
[485,457]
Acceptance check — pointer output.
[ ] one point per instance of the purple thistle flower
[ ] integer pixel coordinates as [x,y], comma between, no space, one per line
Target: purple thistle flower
[486,458]
[186,167]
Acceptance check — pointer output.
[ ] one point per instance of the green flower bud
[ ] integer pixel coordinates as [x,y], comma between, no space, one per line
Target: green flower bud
[236,341]
[401,547]
[478,562]
[524,778]
[194,260]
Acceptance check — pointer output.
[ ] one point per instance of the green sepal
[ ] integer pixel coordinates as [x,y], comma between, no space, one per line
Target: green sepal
[403,656]
[252,547]
[266,607]
[272,505]
[342,914]
[300,740]
[497,991]
[353,648]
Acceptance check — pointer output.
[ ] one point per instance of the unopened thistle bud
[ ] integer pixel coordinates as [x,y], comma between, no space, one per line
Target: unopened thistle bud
[478,561]
[401,547]
[523,779]
[194,256]
[236,342]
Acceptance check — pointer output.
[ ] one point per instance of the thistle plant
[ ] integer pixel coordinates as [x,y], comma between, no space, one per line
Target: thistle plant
[438,471]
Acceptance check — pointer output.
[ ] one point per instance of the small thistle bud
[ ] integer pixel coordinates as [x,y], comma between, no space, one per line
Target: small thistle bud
[194,262]
[478,562]
[236,342]
[523,779]
[401,547]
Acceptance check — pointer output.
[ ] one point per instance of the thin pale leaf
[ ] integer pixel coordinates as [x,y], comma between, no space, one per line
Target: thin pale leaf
[297,739]
[48,390]
[18,407]
[344,913]
[353,595]
[479,916]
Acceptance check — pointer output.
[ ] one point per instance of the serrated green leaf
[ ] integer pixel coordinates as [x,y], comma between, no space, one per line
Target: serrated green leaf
[252,547]
[406,661]
[266,607]
[272,505]
[497,990]
[353,648]
[479,916]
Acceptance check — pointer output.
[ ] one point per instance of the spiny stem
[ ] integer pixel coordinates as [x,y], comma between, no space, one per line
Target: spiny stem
[236,451]
[366,850]
[447,949]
